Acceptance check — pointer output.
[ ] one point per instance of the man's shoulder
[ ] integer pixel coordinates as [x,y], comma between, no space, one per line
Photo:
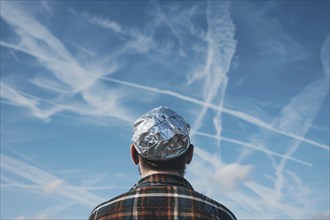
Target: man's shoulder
[106,204]
[226,213]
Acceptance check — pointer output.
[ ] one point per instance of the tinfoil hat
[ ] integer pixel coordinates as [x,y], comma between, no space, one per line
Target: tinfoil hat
[161,134]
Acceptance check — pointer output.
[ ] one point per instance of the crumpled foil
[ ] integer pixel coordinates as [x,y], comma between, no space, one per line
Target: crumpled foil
[161,134]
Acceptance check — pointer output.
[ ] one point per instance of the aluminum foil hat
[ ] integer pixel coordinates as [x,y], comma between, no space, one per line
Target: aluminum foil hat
[161,134]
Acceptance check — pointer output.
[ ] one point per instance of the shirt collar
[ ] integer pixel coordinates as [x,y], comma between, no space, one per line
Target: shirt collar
[163,179]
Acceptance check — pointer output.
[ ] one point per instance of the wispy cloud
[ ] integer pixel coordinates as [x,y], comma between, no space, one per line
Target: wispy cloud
[297,116]
[325,57]
[221,47]
[179,20]
[283,49]
[105,23]
[45,47]
[96,105]
[83,49]
[16,98]
[60,69]
[48,182]
[52,54]
[134,39]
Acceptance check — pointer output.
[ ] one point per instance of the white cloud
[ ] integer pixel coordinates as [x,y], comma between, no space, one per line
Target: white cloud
[230,176]
[52,186]
[140,42]
[105,23]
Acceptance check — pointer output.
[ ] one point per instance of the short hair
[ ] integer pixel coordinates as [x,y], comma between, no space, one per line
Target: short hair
[177,164]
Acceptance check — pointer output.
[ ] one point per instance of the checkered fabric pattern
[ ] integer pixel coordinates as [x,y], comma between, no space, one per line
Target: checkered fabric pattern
[161,197]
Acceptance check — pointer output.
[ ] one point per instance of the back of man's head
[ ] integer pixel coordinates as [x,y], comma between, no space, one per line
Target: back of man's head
[161,140]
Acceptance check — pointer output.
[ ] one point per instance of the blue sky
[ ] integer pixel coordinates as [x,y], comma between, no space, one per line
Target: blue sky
[252,79]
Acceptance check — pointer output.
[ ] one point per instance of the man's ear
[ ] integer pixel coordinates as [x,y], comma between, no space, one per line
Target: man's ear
[190,154]
[134,154]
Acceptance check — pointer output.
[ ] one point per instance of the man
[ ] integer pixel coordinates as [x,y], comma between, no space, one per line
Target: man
[161,147]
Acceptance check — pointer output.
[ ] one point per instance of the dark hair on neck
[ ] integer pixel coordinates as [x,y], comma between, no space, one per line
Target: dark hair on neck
[177,164]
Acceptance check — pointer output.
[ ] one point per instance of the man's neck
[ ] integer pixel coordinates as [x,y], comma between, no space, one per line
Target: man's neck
[151,172]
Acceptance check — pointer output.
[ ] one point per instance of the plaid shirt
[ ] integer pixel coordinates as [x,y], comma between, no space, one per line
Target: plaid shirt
[161,196]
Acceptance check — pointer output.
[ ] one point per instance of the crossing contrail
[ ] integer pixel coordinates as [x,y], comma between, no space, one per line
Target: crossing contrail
[237,114]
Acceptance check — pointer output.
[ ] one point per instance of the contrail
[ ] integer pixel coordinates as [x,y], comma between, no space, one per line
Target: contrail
[43,179]
[64,54]
[237,114]
[256,121]
[299,116]
[193,131]
[264,150]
